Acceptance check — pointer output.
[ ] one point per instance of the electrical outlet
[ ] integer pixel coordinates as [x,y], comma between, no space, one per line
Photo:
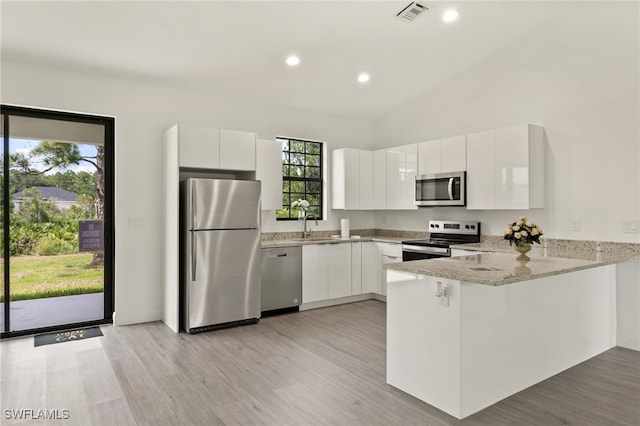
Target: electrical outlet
[575,225]
[631,226]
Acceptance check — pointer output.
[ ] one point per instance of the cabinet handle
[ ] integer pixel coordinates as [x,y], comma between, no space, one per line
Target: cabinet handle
[451,189]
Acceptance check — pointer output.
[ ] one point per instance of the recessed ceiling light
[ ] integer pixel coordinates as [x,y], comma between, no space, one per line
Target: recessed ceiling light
[450,15]
[293,60]
[363,77]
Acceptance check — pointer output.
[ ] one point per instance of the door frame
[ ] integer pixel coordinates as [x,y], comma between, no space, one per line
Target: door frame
[109,212]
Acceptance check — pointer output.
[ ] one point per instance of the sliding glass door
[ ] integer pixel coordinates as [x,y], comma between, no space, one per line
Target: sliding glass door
[57,220]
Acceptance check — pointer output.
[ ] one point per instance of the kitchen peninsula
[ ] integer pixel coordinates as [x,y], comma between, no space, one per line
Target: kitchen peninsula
[466,332]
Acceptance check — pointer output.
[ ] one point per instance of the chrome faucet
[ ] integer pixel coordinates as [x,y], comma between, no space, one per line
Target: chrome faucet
[305,233]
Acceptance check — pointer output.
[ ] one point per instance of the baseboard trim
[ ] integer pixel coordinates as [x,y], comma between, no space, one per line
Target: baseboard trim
[136,317]
[629,342]
[342,300]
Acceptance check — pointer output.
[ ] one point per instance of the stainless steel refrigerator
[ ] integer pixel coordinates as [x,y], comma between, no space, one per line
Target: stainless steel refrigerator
[221,256]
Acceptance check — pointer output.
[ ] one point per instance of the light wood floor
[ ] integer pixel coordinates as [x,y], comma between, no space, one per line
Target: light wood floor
[320,367]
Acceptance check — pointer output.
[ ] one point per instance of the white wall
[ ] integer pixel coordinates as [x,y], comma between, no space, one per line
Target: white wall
[143,112]
[579,77]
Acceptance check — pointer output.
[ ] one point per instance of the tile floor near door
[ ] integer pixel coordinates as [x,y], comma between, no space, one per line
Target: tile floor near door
[320,367]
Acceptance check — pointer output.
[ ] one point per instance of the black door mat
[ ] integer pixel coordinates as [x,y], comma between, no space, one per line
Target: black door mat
[66,336]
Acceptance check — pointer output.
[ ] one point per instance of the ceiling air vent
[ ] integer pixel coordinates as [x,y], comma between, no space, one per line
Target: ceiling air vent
[411,11]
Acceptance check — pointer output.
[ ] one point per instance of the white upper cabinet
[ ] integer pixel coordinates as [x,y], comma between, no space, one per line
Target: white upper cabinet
[442,155]
[380,179]
[401,169]
[505,168]
[351,179]
[237,150]
[269,172]
[408,172]
[366,179]
[453,154]
[199,147]
[210,148]
[394,178]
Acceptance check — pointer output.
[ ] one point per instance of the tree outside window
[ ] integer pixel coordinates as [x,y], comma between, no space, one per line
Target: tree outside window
[301,177]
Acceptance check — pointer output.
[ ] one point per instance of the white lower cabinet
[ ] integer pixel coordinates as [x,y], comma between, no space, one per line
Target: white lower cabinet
[314,273]
[372,267]
[326,271]
[332,271]
[356,268]
[339,270]
[391,253]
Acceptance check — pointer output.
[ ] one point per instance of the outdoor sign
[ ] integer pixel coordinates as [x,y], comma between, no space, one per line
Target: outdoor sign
[90,235]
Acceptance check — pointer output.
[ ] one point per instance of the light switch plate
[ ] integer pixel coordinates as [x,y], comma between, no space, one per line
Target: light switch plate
[136,222]
[631,226]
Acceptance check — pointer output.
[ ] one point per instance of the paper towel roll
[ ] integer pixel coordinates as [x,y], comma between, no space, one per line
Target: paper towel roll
[344,228]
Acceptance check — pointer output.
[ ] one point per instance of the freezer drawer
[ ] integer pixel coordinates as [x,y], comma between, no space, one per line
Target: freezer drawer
[281,278]
[221,277]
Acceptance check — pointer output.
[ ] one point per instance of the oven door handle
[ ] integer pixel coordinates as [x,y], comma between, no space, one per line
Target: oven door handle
[421,249]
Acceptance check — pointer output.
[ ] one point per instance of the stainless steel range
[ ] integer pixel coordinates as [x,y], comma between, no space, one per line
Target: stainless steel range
[442,234]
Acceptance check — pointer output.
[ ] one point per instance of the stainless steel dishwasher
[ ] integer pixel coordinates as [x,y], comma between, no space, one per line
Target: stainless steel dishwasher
[281,279]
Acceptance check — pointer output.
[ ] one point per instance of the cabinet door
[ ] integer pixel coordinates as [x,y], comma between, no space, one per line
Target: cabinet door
[356,268]
[345,179]
[372,267]
[366,180]
[339,270]
[453,154]
[199,147]
[481,186]
[380,179]
[314,273]
[394,179]
[512,168]
[237,150]
[391,253]
[269,172]
[408,171]
[429,157]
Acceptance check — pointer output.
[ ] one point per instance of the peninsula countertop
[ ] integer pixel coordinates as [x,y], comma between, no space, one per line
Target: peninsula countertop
[494,269]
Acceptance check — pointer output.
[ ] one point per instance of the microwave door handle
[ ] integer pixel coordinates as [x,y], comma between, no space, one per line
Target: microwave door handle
[451,188]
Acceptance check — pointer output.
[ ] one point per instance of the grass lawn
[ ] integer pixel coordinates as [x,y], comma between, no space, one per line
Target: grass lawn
[34,277]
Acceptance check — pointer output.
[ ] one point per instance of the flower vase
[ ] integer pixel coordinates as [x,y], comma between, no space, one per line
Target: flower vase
[523,249]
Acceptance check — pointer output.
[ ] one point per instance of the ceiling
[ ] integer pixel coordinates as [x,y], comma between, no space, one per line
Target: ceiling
[238,48]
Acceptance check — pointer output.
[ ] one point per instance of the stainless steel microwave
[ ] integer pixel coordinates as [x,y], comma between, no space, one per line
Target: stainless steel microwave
[441,189]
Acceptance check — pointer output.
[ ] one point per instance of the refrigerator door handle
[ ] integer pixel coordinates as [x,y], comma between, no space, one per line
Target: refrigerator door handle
[193,207]
[194,260]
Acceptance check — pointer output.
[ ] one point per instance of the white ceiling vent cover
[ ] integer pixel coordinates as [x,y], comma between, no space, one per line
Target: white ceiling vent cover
[411,11]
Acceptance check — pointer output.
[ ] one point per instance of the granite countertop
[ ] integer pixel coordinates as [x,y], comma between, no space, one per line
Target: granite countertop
[494,268]
[583,250]
[329,240]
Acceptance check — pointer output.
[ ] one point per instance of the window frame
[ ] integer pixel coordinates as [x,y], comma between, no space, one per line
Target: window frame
[319,215]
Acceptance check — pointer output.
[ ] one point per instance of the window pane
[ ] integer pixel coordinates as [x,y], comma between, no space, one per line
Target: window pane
[313,172]
[313,187]
[313,199]
[285,158]
[285,146]
[297,159]
[285,186]
[297,146]
[285,170]
[297,171]
[313,160]
[297,186]
[313,148]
